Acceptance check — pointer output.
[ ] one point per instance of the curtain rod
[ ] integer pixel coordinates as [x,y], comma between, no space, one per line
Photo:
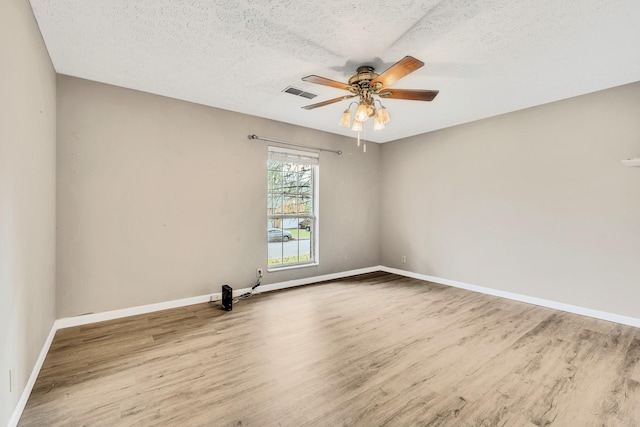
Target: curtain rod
[253,136]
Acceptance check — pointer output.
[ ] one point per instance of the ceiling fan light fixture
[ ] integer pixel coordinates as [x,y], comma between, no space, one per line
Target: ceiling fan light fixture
[345,120]
[362,114]
[383,115]
[367,86]
[377,123]
[371,110]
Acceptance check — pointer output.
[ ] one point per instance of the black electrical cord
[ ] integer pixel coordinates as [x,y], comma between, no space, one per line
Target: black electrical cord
[247,295]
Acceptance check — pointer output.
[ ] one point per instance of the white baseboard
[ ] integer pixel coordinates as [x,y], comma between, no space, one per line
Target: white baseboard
[86,319]
[603,315]
[26,392]
[309,280]
[131,311]
[67,322]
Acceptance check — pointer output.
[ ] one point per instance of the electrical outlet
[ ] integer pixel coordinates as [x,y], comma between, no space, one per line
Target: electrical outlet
[258,272]
[403,259]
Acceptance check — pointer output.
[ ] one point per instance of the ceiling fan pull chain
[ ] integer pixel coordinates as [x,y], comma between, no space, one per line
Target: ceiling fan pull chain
[364,141]
[358,138]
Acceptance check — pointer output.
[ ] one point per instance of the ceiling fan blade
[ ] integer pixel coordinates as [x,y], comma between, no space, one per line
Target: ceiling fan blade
[326,82]
[414,95]
[330,101]
[405,66]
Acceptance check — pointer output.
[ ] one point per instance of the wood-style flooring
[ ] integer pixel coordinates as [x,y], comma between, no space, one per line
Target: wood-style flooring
[371,350]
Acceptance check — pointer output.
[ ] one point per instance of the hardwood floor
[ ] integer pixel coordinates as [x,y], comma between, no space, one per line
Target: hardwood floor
[372,350]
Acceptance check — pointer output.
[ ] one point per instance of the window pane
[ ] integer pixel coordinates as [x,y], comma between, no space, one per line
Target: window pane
[273,204]
[306,174]
[305,188]
[305,207]
[274,242]
[275,172]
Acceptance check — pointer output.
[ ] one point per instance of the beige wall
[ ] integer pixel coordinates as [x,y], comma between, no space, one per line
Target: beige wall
[160,199]
[534,202]
[27,198]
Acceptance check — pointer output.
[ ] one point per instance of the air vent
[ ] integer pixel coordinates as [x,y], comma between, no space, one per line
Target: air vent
[292,90]
[295,91]
[308,95]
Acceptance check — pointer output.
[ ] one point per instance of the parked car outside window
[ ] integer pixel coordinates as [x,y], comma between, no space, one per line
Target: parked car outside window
[305,224]
[278,235]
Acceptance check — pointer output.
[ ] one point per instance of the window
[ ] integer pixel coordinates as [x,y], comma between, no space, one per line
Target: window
[292,206]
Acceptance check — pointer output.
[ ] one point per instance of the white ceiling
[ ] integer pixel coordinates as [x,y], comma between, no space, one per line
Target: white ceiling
[487,57]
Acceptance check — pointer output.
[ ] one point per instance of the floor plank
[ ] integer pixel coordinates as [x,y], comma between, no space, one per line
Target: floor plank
[370,350]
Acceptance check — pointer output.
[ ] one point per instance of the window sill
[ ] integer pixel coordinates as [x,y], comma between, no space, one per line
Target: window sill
[291,267]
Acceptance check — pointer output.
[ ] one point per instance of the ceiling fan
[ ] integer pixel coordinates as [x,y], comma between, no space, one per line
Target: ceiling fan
[366,84]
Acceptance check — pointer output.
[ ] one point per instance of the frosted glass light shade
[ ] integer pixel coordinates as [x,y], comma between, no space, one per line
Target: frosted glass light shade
[345,121]
[361,113]
[371,110]
[383,115]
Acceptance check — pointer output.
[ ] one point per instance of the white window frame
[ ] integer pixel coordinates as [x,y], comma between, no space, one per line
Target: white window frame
[305,157]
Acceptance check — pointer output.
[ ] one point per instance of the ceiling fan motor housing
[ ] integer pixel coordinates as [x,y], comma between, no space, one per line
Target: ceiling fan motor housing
[365,73]
[360,84]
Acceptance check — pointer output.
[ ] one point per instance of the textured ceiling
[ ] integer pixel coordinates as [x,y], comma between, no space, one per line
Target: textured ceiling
[487,57]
